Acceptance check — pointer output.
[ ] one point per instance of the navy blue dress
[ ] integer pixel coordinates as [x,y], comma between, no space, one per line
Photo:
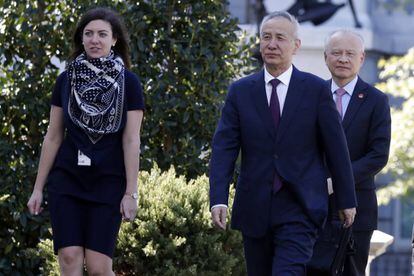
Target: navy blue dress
[85,200]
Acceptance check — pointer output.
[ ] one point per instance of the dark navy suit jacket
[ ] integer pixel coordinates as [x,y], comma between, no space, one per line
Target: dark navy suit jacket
[367,126]
[309,128]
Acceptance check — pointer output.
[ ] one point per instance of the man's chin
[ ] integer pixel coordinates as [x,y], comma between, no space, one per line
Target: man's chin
[272,62]
[341,75]
[342,72]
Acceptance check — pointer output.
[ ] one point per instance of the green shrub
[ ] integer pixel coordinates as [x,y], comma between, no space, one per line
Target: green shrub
[186,52]
[50,265]
[27,42]
[19,234]
[172,234]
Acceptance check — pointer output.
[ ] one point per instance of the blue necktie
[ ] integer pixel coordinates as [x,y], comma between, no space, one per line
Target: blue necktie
[275,110]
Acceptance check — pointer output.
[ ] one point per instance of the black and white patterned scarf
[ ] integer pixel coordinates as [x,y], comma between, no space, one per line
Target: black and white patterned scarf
[96,99]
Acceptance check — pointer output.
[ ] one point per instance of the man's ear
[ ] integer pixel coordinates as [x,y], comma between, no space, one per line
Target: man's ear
[297,45]
[363,57]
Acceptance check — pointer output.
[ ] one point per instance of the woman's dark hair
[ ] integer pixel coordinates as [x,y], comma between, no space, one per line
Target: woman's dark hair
[119,32]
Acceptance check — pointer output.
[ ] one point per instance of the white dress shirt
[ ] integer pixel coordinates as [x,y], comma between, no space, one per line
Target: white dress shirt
[282,88]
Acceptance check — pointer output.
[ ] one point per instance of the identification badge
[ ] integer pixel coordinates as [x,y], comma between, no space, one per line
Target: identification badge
[83,160]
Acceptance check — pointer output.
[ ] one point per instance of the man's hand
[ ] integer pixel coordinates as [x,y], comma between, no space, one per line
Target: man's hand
[347,216]
[218,215]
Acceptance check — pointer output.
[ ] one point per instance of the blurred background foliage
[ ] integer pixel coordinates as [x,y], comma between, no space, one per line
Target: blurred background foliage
[397,79]
[185,52]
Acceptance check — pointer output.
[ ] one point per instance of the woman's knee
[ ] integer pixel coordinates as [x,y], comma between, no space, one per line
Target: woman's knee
[98,264]
[71,256]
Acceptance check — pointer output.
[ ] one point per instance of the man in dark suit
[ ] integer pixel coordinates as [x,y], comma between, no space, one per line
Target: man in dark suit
[367,125]
[283,122]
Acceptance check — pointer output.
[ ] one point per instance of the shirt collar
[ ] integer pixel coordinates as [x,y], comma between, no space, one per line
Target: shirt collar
[349,87]
[284,77]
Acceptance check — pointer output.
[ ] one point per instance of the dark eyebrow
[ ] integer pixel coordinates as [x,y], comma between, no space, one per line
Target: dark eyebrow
[99,31]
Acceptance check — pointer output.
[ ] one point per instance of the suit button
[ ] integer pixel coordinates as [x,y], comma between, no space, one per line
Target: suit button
[276,156]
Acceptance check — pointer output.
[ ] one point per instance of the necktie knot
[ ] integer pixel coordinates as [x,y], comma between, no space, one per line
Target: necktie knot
[340,92]
[274,82]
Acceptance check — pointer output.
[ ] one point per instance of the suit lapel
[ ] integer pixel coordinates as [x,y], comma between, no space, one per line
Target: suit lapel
[293,98]
[259,98]
[358,97]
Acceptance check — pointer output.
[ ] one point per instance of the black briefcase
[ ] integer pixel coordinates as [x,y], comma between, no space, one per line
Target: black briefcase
[333,245]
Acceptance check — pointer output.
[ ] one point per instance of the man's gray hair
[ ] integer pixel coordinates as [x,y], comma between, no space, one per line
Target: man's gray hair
[345,31]
[281,14]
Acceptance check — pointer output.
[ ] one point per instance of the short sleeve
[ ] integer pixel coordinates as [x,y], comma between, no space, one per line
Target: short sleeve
[133,92]
[57,90]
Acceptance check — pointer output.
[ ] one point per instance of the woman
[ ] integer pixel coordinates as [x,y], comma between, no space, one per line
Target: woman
[90,154]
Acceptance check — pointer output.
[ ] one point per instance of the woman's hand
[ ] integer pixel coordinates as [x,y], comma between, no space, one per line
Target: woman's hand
[129,208]
[35,201]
